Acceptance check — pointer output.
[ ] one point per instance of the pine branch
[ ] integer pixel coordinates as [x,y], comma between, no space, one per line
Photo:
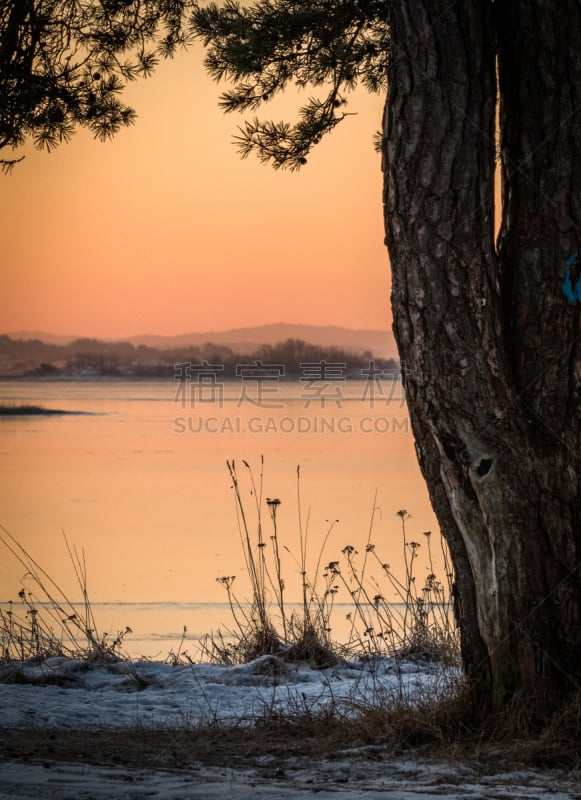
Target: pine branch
[263,48]
[64,62]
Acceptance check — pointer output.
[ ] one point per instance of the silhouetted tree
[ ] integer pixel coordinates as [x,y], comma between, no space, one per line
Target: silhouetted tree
[489,330]
[63,64]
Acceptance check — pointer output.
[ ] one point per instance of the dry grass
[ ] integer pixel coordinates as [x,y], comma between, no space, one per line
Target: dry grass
[46,622]
[419,624]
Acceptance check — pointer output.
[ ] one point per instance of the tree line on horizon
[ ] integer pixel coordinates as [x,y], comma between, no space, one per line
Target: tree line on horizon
[31,358]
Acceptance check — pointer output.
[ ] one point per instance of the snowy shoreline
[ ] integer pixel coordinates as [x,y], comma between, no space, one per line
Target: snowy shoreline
[122,704]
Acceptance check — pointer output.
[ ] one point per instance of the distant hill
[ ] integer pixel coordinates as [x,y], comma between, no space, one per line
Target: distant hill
[248,340]
[27,354]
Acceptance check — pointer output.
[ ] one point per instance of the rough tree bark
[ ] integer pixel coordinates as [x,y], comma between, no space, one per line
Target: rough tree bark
[490,339]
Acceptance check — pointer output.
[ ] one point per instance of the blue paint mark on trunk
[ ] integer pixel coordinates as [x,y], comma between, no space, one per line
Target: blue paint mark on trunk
[572,293]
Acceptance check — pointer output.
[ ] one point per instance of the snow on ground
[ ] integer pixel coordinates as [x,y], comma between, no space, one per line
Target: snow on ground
[72,694]
[289,779]
[75,694]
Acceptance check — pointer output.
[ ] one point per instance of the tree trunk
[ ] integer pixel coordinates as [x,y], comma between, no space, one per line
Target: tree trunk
[490,339]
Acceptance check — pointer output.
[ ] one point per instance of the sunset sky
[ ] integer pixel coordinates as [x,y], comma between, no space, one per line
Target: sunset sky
[166,230]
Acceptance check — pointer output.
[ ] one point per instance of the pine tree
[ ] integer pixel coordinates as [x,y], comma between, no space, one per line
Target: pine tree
[490,330]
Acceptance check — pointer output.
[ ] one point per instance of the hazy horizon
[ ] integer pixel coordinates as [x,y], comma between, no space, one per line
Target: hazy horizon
[190,332]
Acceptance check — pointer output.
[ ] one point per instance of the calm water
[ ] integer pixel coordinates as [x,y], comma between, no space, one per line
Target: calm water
[159,629]
[140,486]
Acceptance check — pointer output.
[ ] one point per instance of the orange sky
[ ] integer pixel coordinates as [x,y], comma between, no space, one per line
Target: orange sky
[165,230]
